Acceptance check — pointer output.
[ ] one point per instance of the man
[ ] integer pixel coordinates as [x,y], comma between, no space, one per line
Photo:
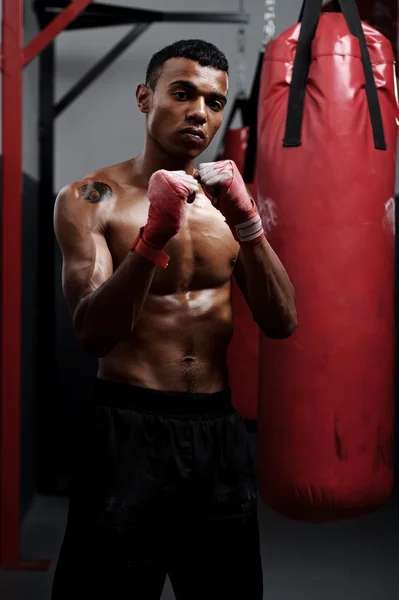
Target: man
[165,481]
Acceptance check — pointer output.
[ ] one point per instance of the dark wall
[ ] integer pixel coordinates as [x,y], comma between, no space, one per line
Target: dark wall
[29,341]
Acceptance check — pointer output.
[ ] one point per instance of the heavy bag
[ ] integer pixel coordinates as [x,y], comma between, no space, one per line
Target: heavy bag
[327,138]
[381,14]
[243,351]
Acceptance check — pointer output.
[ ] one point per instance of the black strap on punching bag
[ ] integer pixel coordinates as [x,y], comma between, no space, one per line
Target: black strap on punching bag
[352,17]
[310,16]
[252,122]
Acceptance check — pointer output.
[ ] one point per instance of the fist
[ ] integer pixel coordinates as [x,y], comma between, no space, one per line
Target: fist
[175,185]
[168,193]
[216,178]
[223,185]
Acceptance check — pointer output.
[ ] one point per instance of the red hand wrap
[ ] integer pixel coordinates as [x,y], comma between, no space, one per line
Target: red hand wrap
[168,192]
[233,200]
[141,248]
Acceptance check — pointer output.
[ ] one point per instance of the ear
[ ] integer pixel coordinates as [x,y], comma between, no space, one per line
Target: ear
[143,96]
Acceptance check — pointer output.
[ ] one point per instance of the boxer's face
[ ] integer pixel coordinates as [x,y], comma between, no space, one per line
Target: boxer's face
[186,96]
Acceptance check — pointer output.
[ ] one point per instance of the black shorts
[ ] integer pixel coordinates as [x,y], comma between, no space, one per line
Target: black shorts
[164,484]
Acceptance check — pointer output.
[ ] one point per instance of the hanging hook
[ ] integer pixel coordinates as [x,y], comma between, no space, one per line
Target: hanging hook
[241,63]
[269,27]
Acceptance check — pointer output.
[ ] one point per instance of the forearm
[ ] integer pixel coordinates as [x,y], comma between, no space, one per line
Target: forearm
[270,294]
[106,316]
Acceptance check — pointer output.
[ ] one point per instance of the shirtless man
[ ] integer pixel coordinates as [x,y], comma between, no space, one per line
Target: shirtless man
[165,482]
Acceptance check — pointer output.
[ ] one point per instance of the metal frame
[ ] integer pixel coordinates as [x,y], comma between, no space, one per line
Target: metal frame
[54,17]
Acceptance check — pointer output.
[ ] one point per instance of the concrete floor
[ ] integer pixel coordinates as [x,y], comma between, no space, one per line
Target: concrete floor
[357,560]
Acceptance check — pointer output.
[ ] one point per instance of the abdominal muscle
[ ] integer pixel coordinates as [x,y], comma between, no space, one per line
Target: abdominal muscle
[178,344]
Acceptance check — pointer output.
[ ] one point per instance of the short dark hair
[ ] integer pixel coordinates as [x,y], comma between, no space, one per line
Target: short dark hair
[204,53]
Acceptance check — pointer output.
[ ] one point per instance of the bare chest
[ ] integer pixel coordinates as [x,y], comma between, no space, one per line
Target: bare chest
[202,254]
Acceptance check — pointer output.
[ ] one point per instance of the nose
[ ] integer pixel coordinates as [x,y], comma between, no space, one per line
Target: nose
[197,112]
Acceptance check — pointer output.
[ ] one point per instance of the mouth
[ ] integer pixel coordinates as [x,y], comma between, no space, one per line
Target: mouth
[192,134]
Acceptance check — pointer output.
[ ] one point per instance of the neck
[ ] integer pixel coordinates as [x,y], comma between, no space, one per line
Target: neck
[153,158]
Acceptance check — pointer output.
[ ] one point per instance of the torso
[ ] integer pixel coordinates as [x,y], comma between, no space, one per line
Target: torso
[180,340]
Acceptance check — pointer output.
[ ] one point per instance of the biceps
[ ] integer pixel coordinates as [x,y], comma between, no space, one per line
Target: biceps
[85,267]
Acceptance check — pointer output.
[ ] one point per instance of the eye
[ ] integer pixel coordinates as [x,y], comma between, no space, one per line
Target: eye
[180,95]
[216,105]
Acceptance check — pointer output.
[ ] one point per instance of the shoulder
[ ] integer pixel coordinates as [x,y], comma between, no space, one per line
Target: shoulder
[83,205]
[95,196]
[94,193]
[96,188]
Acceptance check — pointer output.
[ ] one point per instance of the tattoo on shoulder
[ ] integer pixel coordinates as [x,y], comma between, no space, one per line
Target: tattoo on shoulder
[96,192]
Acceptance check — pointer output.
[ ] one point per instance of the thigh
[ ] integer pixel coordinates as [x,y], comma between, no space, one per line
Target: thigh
[220,555]
[118,559]
[119,531]
[219,559]
[225,481]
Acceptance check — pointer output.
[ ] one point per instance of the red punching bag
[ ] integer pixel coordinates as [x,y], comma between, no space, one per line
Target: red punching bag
[243,351]
[327,138]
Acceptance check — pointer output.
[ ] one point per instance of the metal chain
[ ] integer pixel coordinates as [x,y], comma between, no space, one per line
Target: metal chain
[241,63]
[269,27]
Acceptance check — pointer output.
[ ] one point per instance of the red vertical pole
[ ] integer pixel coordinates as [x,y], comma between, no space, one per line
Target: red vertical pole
[13,60]
[11,238]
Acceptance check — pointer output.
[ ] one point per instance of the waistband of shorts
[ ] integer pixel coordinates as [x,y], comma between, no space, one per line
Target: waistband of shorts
[126,396]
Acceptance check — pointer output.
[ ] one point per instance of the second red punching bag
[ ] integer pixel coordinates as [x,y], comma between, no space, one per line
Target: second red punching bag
[327,138]
[243,351]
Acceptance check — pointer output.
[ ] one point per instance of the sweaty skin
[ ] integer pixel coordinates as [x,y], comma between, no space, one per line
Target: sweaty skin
[180,339]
